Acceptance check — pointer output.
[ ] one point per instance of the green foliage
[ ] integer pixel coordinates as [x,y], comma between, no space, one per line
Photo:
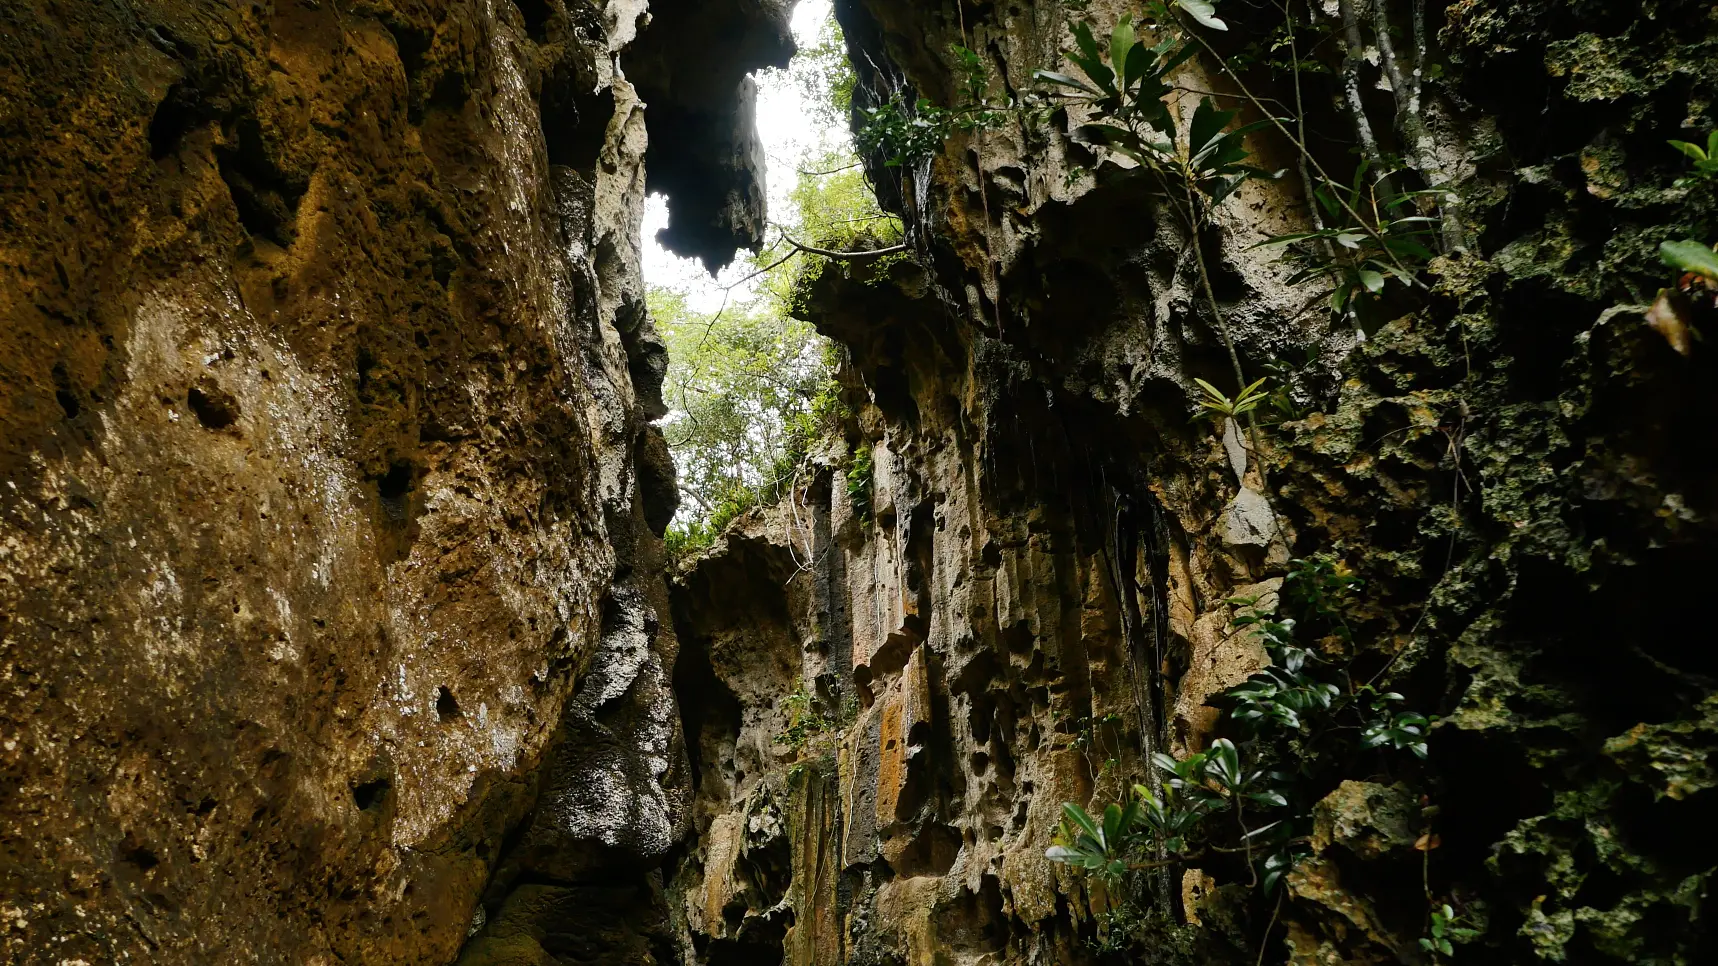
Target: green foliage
[807,724]
[825,77]
[1322,586]
[747,391]
[1215,403]
[1404,731]
[1204,11]
[1294,712]
[1691,257]
[1165,821]
[1301,684]
[905,136]
[1444,931]
[860,473]
[832,206]
[1705,159]
[1129,93]
[1357,260]
[1103,846]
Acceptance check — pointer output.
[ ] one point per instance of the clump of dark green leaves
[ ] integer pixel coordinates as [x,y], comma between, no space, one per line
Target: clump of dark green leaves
[1129,94]
[1195,169]
[1162,823]
[1302,709]
[908,135]
[1679,311]
[1705,159]
[1444,932]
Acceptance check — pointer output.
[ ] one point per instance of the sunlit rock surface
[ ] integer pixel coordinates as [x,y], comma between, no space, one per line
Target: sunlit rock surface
[328,572]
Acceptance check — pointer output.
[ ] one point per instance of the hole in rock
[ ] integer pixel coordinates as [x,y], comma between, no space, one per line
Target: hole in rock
[371,794]
[65,393]
[141,856]
[446,705]
[393,488]
[536,14]
[177,114]
[215,408]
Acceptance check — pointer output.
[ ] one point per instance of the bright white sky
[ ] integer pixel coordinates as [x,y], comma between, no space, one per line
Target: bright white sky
[788,131]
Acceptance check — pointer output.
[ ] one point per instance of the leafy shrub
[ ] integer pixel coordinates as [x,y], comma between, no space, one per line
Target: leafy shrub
[1302,709]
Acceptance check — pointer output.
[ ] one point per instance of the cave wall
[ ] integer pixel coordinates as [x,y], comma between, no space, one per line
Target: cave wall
[332,622]
[1038,580]
[331,619]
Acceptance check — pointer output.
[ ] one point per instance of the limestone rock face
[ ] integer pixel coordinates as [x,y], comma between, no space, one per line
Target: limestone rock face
[1036,590]
[333,626]
[329,502]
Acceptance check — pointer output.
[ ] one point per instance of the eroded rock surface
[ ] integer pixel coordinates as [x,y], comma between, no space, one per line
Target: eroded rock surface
[330,501]
[1036,591]
[332,626]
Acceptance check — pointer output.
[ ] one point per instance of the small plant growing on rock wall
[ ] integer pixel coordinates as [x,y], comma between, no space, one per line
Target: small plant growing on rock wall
[860,473]
[1216,404]
[1705,159]
[806,723]
[1444,932]
[1194,169]
[1357,260]
[1678,311]
[906,135]
[1233,799]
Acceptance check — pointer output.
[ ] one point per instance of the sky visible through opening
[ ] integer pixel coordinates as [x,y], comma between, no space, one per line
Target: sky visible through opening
[789,132]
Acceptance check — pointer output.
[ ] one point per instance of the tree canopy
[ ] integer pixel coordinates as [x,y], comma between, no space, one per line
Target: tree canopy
[750,386]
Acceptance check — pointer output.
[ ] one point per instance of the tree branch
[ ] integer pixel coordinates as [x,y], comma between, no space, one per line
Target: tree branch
[845,256]
[1354,51]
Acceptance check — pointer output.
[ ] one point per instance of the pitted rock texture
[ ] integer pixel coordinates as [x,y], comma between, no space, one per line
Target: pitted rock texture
[1039,582]
[328,532]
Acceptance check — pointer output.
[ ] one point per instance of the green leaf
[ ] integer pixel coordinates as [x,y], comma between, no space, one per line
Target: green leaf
[1694,151]
[1063,80]
[1690,256]
[1291,239]
[1406,247]
[1203,11]
[1234,148]
[1327,201]
[1079,819]
[1112,826]
[1225,764]
[1090,60]
[1121,45]
[1374,281]
[1178,58]
[1208,124]
[1137,68]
